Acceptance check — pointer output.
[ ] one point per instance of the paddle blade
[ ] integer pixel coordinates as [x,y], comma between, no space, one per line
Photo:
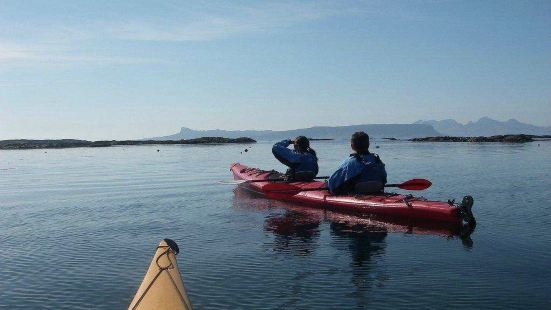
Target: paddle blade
[234,182]
[415,185]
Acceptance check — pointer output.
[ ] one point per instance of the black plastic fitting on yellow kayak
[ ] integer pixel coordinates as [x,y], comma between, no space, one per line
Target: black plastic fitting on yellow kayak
[172,244]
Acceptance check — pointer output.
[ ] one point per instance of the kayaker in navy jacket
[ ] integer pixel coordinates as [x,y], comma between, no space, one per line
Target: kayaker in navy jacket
[363,172]
[302,161]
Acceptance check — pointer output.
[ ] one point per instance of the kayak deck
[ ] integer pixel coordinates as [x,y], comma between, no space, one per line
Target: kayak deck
[387,204]
[162,286]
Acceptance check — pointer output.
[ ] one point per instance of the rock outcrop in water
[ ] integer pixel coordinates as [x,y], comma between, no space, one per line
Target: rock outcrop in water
[70,143]
[499,138]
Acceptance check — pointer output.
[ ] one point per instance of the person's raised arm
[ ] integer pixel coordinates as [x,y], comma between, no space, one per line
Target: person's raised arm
[281,150]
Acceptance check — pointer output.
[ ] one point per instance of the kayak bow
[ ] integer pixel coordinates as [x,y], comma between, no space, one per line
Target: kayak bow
[162,286]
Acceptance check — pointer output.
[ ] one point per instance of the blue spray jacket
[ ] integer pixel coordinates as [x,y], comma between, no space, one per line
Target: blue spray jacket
[355,169]
[297,162]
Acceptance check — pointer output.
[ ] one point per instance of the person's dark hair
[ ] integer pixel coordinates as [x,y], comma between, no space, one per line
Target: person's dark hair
[360,142]
[302,144]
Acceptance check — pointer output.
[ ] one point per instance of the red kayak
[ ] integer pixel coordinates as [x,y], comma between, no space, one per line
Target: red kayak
[384,205]
[296,214]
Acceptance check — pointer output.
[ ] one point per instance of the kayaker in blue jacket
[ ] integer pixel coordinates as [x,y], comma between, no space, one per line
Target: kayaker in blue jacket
[363,172]
[302,161]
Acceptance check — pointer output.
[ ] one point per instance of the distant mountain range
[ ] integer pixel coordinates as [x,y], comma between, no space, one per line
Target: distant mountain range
[485,127]
[337,133]
[429,128]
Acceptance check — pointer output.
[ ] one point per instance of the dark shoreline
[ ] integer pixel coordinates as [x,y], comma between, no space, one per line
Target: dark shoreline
[23,144]
[498,138]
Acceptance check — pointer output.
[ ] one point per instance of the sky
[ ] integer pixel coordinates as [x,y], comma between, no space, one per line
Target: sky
[134,69]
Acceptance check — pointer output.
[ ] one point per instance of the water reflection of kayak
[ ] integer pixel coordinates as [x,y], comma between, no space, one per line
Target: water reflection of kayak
[384,205]
[162,286]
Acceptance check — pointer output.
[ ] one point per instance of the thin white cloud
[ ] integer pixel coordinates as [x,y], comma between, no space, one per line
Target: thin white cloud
[65,44]
[263,17]
[18,54]
[206,30]
[11,52]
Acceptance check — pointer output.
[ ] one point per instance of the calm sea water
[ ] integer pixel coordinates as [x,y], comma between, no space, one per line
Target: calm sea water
[78,228]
